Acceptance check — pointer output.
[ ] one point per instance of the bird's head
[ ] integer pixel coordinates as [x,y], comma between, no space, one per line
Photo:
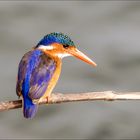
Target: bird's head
[59,45]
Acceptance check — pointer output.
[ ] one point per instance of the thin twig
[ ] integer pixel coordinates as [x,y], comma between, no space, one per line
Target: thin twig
[62,98]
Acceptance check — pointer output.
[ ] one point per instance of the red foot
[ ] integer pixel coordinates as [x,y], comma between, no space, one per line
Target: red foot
[47,98]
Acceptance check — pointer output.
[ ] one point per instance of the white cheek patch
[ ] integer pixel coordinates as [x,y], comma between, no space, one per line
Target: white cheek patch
[49,47]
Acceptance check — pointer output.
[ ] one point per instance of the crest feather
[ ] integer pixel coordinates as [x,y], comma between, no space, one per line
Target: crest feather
[56,37]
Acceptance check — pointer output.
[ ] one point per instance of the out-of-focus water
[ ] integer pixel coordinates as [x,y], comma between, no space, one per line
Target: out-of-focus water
[108,32]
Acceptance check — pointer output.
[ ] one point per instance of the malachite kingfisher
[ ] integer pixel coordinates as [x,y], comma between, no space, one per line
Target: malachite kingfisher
[39,69]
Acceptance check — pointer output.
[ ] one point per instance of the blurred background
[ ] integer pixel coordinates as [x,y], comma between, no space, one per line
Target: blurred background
[109,33]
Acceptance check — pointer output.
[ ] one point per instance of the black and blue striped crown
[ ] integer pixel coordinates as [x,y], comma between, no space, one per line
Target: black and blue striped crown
[56,37]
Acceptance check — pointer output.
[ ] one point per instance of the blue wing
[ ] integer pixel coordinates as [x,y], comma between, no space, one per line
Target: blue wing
[35,72]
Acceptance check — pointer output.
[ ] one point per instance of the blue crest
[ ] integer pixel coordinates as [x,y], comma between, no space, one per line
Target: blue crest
[56,37]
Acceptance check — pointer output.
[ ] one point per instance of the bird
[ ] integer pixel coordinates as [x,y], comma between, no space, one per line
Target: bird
[40,68]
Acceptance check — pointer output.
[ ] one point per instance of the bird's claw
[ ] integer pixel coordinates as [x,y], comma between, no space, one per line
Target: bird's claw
[42,100]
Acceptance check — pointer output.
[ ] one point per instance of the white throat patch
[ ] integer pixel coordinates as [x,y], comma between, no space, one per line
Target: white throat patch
[62,55]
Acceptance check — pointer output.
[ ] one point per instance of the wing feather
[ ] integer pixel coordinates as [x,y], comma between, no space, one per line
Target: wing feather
[35,71]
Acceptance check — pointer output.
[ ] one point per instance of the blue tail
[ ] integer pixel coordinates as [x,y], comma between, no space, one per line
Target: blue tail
[29,108]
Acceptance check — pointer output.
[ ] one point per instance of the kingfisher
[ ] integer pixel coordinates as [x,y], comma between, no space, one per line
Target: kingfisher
[40,68]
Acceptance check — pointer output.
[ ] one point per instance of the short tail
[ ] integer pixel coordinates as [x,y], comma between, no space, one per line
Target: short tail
[29,108]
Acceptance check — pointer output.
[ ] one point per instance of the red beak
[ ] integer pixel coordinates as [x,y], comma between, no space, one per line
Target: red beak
[75,52]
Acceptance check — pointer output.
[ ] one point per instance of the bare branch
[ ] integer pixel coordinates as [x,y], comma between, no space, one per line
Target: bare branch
[62,98]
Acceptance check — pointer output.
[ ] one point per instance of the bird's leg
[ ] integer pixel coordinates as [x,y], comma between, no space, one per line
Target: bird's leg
[42,99]
[47,98]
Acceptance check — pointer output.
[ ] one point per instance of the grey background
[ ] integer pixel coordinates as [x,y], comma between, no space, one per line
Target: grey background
[109,33]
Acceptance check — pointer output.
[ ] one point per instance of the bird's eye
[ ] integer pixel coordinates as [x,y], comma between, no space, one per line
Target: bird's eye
[65,46]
